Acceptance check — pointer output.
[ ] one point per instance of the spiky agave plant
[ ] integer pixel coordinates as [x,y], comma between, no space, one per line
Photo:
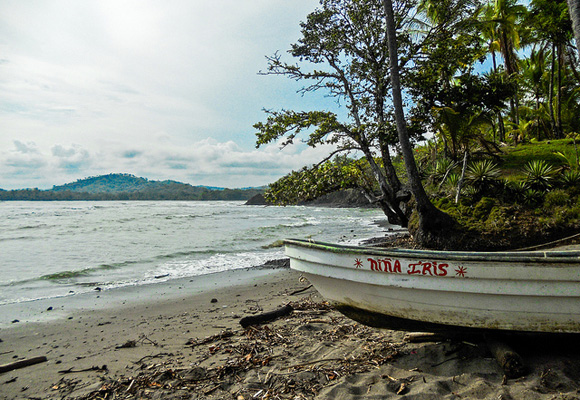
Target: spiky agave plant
[450,184]
[570,178]
[482,175]
[533,197]
[514,190]
[539,174]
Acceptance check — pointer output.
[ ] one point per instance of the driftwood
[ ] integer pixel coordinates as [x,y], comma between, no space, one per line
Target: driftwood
[22,363]
[266,317]
[419,337]
[510,361]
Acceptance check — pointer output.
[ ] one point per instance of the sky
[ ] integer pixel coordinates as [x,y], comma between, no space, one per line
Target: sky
[161,89]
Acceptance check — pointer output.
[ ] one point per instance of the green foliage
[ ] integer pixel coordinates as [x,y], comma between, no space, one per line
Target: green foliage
[532,197]
[514,158]
[289,124]
[499,219]
[539,174]
[556,198]
[570,178]
[342,51]
[514,190]
[482,175]
[128,187]
[483,208]
[310,183]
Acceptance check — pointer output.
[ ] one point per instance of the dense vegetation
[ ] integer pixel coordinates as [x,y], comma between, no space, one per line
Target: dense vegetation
[501,158]
[128,187]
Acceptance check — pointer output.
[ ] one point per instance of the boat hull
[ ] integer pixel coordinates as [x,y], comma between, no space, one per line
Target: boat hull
[428,290]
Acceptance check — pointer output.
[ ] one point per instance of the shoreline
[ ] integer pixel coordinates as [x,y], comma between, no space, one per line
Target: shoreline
[86,337]
[57,308]
[193,346]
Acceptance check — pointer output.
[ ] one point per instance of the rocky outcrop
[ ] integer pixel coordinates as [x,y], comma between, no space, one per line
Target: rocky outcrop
[342,199]
[257,200]
[339,199]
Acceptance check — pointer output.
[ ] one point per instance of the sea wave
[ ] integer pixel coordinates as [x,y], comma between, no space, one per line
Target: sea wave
[75,247]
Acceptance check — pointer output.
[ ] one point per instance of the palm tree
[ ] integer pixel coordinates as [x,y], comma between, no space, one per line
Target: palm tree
[431,220]
[534,74]
[506,16]
[461,128]
[489,34]
[552,26]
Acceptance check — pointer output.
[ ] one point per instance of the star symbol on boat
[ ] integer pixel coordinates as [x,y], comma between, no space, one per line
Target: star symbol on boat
[461,271]
[358,263]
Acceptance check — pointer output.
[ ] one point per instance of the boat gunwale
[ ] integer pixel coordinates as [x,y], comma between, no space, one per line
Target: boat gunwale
[539,256]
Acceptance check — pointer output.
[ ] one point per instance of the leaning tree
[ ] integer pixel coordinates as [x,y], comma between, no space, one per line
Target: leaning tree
[345,51]
[431,219]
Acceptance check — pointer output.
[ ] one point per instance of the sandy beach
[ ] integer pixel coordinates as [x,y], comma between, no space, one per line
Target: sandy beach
[192,346]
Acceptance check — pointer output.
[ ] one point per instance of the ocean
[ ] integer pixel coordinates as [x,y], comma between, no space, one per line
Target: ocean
[56,250]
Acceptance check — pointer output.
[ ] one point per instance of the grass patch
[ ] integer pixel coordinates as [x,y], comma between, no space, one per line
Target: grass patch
[514,158]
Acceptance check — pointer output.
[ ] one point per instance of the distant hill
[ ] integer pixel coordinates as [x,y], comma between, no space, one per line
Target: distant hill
[129,187]
[118,183]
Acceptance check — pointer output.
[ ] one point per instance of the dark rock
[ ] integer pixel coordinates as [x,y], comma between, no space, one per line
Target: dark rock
[279,263]
[349,198]
[214,300]
[257,200]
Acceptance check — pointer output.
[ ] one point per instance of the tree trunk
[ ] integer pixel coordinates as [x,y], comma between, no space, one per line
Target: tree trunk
[572,63]
[388,199]
[501,127]
[551,94]
[460,183]
[574,8]
[559,92]
[432,221]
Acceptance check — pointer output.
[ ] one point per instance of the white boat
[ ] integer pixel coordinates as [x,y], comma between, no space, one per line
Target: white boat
[534,291]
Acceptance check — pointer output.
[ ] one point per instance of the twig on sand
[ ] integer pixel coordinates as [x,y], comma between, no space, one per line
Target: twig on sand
[72,371]
[315,362]
[300,290]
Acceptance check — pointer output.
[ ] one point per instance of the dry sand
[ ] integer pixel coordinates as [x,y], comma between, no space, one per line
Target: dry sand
[193,348]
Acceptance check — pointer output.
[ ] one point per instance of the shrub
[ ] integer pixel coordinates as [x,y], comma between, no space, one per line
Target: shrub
[499,219]
[483,208]
[556,198]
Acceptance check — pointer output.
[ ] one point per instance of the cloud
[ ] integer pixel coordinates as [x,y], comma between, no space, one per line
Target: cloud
[164,90]
[73,158]
[22,160]
[207,162]
[26,148]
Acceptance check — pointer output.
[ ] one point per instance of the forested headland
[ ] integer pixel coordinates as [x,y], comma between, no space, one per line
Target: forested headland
[128,187]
